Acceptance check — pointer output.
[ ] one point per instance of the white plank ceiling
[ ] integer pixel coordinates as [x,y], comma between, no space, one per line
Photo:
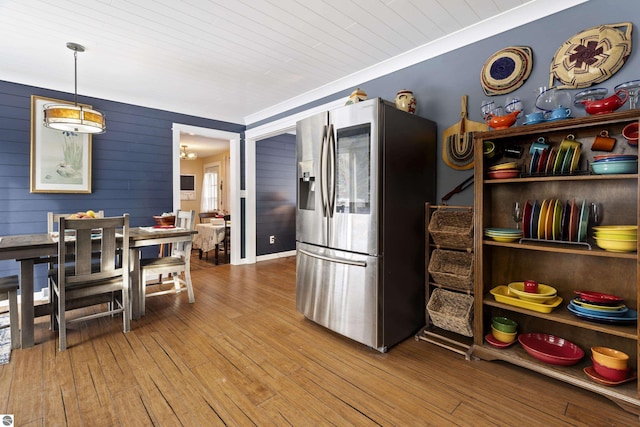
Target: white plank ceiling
[236,60]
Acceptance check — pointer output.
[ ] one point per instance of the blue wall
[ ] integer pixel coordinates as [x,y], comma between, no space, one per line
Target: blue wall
[276,194]
[132,163]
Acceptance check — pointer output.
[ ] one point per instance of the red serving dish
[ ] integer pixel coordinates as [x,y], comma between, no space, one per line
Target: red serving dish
[504,174]
[551,349]
[599,298]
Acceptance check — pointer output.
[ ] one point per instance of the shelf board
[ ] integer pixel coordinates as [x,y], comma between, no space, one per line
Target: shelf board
[597,120]
[623,394]
[561,248]
[561,315]
[555,178]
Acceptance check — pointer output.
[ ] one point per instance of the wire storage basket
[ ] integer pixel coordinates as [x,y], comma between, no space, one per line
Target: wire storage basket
[452,311]
[452,228]
[452,269]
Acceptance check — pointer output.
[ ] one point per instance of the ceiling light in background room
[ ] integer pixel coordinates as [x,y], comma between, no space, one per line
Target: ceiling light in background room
[74,118]
[187,155]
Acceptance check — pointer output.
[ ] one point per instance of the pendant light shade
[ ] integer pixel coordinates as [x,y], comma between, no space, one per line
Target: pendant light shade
[74,117]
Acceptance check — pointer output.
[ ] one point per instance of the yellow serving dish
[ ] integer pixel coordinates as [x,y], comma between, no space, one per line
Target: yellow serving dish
[545,292]
[501,294]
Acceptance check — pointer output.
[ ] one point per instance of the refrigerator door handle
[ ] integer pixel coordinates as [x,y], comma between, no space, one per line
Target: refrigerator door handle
[323,171]
[330,259]
[331,142]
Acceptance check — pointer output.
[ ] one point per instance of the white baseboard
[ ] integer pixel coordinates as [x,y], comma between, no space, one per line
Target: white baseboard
[276,255]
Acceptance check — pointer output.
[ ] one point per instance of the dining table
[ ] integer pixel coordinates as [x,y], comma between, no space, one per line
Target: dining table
[209,237]
[31,249]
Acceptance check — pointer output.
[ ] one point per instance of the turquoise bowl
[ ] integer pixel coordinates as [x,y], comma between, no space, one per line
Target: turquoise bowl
[622,166]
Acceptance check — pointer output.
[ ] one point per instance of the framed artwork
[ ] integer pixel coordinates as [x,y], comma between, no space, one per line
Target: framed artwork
[60,160]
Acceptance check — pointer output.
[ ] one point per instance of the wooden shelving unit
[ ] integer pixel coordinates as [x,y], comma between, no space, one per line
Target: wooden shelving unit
[565,267]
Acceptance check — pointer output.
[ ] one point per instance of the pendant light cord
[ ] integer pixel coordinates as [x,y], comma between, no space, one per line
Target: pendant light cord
[75,73]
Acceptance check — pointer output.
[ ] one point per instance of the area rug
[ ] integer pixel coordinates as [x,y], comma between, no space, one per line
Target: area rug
[5,339]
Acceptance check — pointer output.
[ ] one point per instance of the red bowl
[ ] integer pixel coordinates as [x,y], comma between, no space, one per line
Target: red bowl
[551,349]
[630,132]
[599,298]
[610,373]
[504,174]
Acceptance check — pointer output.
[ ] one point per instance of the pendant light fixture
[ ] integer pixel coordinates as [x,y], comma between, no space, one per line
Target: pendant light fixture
[74,118]
[187,155]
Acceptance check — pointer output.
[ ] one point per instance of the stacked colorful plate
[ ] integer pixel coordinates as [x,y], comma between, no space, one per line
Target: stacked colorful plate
[549,161]
[554,220]
[615,164]
[503,234]
[504,170]
[601,308]
[616,238]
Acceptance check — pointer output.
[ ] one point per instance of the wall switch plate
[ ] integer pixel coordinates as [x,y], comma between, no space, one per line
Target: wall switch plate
[272,240]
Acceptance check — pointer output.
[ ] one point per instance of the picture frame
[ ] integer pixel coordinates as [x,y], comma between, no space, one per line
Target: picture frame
[60,160]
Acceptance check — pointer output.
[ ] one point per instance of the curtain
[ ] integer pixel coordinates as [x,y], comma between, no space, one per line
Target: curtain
[210,193]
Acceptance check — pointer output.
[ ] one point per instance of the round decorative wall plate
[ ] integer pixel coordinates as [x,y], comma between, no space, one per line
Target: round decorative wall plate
[591,56]
[506,70]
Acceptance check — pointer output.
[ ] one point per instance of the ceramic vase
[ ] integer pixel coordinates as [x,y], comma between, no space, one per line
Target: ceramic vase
[356,96]
[405,101]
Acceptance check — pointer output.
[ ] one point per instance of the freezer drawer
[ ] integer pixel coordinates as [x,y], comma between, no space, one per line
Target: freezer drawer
[339,290]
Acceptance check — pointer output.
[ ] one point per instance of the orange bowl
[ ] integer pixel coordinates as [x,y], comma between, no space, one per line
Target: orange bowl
[630,132]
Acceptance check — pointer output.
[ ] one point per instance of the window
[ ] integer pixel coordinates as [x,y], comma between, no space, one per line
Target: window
[210,189]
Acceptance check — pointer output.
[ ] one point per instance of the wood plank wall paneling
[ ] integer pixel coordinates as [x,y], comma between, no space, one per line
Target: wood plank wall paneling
[242,355]
[276,194]
[132,164]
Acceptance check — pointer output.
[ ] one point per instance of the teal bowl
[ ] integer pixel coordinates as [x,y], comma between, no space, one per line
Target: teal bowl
[504,324]
[623,166]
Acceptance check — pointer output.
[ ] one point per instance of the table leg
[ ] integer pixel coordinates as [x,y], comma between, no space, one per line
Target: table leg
[136,283]
[26,302]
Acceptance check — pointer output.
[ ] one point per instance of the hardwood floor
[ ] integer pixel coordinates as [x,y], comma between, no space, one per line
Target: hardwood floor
[242,355]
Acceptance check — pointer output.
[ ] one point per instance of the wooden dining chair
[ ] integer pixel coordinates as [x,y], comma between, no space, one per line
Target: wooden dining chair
[9,291]
[96,275]
[206,216]
[52,226]
[175,265]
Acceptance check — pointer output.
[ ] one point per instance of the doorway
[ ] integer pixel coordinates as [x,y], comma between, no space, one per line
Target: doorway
[235,195]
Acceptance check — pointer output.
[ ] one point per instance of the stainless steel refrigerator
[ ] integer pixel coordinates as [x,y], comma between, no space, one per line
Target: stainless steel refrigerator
[364,174]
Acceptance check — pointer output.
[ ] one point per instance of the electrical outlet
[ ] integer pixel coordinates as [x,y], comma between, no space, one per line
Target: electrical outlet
[272,240]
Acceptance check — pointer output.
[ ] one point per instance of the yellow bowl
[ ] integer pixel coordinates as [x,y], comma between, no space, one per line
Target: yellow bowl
[617,245]
[505,337]
[617,229]
[545,292]
[616,235]
[614,359]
